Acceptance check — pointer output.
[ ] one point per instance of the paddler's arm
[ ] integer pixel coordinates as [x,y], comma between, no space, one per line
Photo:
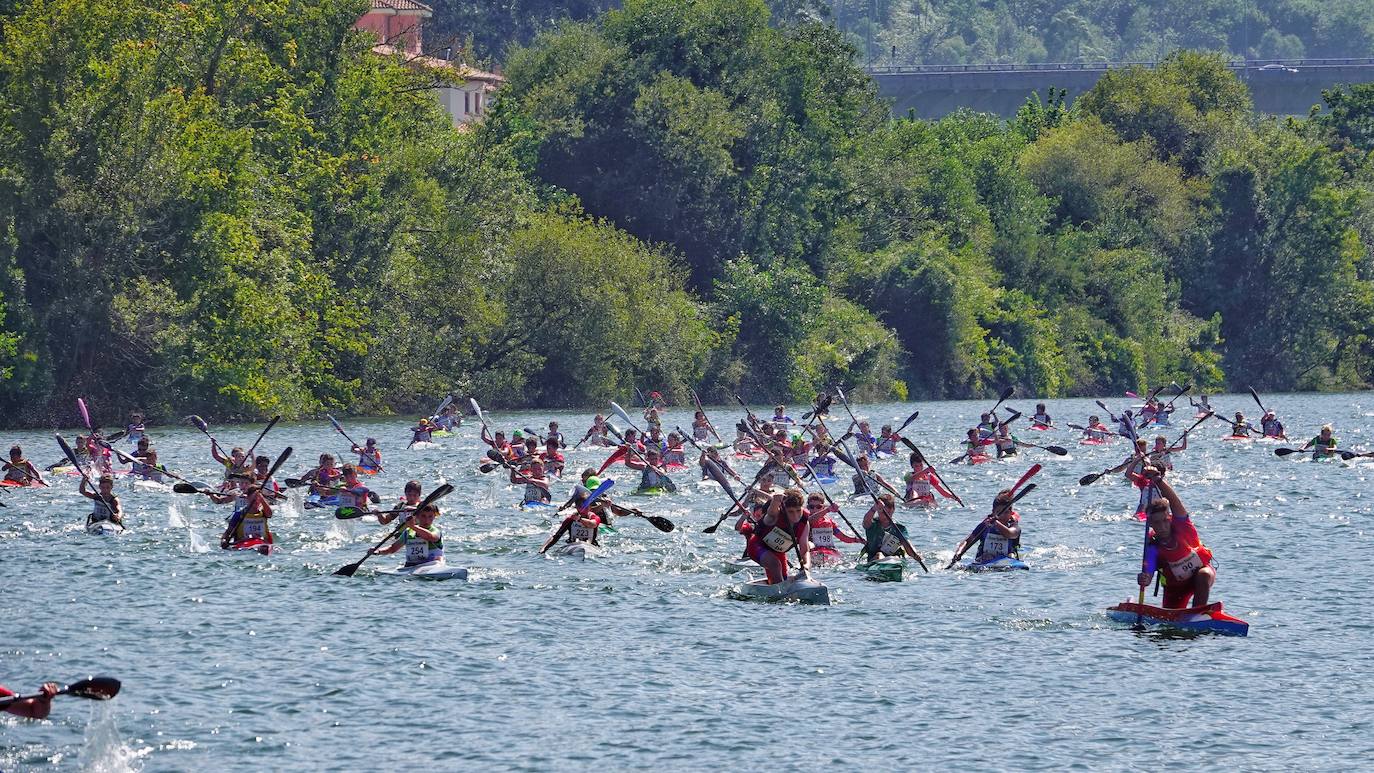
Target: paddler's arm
[1176,508]
[562,529]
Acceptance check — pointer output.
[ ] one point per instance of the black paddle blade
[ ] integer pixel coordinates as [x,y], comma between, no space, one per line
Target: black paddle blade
[908,421]
[67,450]
[718,475]
[1348,455]
[660,523]
[1008,392]
[97,688]
[1057,450]
[348,571]
[348,513]
[494,455]
[1285,451]
[486,468]
[1088,480]
[185,488]
[198,423]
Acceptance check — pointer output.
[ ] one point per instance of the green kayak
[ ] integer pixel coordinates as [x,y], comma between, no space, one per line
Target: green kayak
[890,569]
[649,492]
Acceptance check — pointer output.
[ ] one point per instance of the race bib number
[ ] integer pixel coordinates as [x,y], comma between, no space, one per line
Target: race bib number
[417,552]
[891,546]
[778,540]
[823,537]
[996,546]
[580,533]
[1186,567]
[254,528]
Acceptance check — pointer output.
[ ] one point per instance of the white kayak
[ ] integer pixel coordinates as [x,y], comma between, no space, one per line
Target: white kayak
[740,565]
[434,570]
[105,529]
[580,550]
[143,484]
[799,588]
[421,445]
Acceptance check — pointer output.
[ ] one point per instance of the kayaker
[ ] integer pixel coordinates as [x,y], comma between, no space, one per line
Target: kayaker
[1125,424]
[410,499]
[32,708]
[1096,430]
[369,456]
[1240,427]
[148,468]
[422,432]
[583,525]
[21,470]
[141,449]
[674,453]
[99,454]
[883,536]
[887,440]
[824,531]
[447,420]
[655,439]
[529,449]
[1005,442]
[652,421]
[1148,412]
[553,458]
[653,475]
[998,534]
[783,527]
[1132,467]
[867,481]
[554,435]
[236,463]
[712,454]
[1175,550]
[864,437]
[107,506]
[1162,454]
[134,429]
[1323,445]
[973,447]
[1271,426]
[1041,419]
[744,445]
[701,426]
[1202,406]
[531,474]
[325,477]
[498,442]
[824,461]
[421,539]
[351,491]
[249,522]
[780,415]
[922,483]
[597,432]
[262,465]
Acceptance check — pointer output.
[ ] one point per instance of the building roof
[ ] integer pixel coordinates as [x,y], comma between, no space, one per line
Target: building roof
[402,5]
[471,74]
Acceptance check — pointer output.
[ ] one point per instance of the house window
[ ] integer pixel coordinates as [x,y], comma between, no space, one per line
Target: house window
[467,104]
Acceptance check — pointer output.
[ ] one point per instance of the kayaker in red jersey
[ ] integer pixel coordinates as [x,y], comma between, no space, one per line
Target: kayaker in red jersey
[1175,550]
[824,531]
[33,708]
[781,528]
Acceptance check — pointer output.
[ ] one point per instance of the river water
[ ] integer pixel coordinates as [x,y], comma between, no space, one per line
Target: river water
[245,662]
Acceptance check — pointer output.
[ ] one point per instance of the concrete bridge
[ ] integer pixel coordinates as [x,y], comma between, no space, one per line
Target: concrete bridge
[1279,87]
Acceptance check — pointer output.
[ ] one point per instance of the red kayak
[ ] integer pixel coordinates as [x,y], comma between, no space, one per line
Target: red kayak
[252,543]
[1087,441]
[18,484]
[1206,619]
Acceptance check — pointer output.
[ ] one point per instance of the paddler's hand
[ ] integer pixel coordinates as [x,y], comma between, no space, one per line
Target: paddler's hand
[1142,579]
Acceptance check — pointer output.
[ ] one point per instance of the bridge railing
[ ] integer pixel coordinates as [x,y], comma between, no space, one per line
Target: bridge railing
[1237,64]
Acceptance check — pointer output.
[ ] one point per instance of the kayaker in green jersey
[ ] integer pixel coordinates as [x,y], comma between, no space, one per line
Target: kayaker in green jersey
[422,540]
[1323,445]
[107,506]
[998,535]
[883,536]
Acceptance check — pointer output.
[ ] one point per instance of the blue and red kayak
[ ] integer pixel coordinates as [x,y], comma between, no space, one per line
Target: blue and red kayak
[1206,619]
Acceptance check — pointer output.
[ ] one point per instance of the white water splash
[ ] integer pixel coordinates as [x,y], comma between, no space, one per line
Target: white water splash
[103,750]
[176,520]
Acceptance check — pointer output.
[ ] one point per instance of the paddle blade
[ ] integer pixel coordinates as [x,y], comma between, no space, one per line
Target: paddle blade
[908,421]
[348,571]
[718,475]
[660,523]
[488,467]
[477,409]
[281,459]
[1008,392]
[185,488]
[618,411]
[1088,480]
[85,414]
[348,513]
[1348,455]
[97,688]
[1255,395]
[495,455]
[1057,450]
[1034,468]
[435,495]
[67,450]
[615,456]
[334,422]
[1285,451]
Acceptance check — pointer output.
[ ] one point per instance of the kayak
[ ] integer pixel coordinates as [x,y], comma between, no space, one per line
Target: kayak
[252,543]
[801,589]
[105,529]
[1237,437]
[822,557]
[433,570]
[1087,441]
[1003,564]
[888,569]
[144,484]
[827,480]
[580,550]
[424,444]
[1040,427]
[653,491]
[531,504]
[918,502]
[1207,619]
[313,501]
[18,484]
[979,459]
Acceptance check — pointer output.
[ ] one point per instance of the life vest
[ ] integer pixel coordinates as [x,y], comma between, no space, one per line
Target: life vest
[824,465]
[918,486]
[420,550]
[370,460]
[700,431]
[674,456]
[993,544]
[887,445]
[1041,418]
[1187,555]
[101,510]
[650,479]
[353,497]
[581,532]
[535,494]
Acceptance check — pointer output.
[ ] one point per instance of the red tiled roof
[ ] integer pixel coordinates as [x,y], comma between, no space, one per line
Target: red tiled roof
[401,5]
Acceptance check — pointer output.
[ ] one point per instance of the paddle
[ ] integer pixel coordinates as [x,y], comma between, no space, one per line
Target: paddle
[983,526]
[658,521]
[435,495]
[130,460]
[204,428]
[1091,478]
[1144,564]
[1081,428]
[237,517]
[581,510]
[907,423]
[1056,450]
[738,502]
[96,688]
[85,414]
[1346,455]
[706,456]
[1255,395]
[338,428]
[71,457]
[1006,395]
[249,453]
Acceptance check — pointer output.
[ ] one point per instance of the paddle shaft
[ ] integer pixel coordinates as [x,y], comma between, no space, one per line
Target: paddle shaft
[354,443]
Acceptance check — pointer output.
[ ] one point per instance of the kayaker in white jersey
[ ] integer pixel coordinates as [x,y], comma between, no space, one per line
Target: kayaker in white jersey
[998,535]
[107,506]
